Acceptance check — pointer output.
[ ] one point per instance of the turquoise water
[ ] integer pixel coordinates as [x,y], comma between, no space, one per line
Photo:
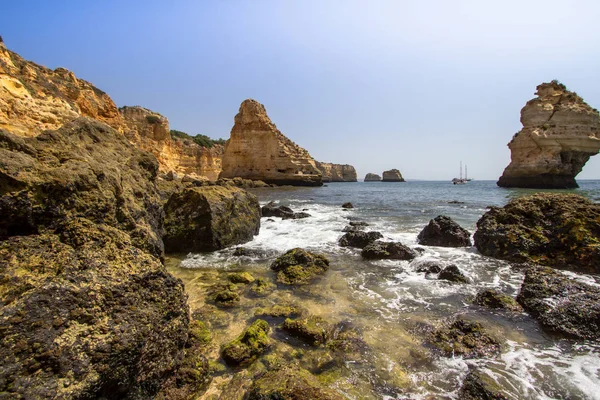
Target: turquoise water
[386,299]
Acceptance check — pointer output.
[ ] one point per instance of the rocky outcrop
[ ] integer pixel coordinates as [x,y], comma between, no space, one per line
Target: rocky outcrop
[272,210]
[553,229]
[87,310]
[258,150]
[560,303]
[150,131]
[372,178]
[299,267]
[379,250]
[443,231]
[393,175]
[492,298]
[560,133]
[210,218]
[359,239]
[337,172]
[464,338]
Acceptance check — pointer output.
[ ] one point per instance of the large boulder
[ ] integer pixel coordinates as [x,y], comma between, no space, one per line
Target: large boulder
[299,267]
[554,229]
[393,175]
[379,250]
[443,231]
[87,310]
[560,303]
[359,239]
[210,218]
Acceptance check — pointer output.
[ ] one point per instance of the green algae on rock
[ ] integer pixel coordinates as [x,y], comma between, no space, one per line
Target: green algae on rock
[492,298]
[261,287]
[299,267]
[560,303]
[240,277]
[466,338]
[225,295]
[313,330]
[478,385]
[249,345]
[210,218]
[553,229]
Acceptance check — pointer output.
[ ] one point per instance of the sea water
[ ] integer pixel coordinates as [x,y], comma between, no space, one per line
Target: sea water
[389,301]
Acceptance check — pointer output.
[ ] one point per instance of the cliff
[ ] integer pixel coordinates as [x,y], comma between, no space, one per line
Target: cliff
[150,131]
[559,135]
[258,150]
[393,175]
[337,172]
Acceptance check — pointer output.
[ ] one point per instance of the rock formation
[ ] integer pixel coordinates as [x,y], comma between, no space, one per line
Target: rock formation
[258,150]
[443,231]
[560,133]
[337,172]
[372,178]
[393,175]
[150,131]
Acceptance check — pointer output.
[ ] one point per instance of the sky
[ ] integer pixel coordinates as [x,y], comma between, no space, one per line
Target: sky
[418,86]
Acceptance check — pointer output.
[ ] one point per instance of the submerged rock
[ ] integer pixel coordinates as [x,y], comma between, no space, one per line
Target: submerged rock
[210,218]
[478,385]
[553,229]
[261,287]
[314,330]
[249,345]
[240,277]
[560,303]
[453,274]
[492,298]
[465,338]
[379,250]
[443,231]
[225,295]
[299,267]
[359,238]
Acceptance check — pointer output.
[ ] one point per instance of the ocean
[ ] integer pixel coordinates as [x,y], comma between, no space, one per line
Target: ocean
[392,304]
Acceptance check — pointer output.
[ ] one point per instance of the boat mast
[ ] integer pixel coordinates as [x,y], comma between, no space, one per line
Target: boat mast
[466,172]
[461,170]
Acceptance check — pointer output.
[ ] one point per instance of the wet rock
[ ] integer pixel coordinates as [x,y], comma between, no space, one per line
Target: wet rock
[453,274]
[249,345]
[347,205]
[280,311]
[429,267]
[443,231]
[492,298]
[299,267]
[465,338]
[224,295]
[254,253]
[283,212]
[289,383]
[210,218]
[478,385]
[299,215]
[456,202]
[379,250]
[345,338]
[240,277]
[359,239]
[358,223]
[313,330]
[560,303]
[553,229]
[261,287]
[349,228]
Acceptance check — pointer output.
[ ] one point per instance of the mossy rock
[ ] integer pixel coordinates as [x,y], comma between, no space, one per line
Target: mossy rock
[492,298]
[261,287]
[466,338]
[249,345]
[478,385]
[280,311]
[240,277]
[199,333]
[313,330]
[299,267]
[225,295]
[289,383]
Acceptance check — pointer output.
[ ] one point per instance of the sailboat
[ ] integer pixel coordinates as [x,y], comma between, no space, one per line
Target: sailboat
[460,181]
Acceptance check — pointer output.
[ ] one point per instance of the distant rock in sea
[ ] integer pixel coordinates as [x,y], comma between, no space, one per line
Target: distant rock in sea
[258,150]
[372,178]
[559,135]
[337,172]
[393,175]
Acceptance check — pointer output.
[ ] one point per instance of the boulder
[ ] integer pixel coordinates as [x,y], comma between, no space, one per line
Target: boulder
[337,172]
[312,329]
[299,267]
[464,338]
[372,178]
[492,298]
[258,150]
[478,385]
[560,303]
[379,250]
[429,267]
[443,231]
[249,345]
[347,205]
[87,310]
[559,135]
[393,175]
[359,239]
[554,229]
[453,274]
[210,218]
[283,212]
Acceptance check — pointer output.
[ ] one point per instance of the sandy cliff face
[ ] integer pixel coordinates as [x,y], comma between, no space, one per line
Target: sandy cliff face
[337,172]
[34,98]
[258,150]
[560,133]
[393,175]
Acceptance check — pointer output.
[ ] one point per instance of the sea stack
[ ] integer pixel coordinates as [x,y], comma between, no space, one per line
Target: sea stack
[559,135]
[393,175]
[337,172]
[258,150]
[372,177]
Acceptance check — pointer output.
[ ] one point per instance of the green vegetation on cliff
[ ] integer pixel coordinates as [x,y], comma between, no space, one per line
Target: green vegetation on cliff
[200,140]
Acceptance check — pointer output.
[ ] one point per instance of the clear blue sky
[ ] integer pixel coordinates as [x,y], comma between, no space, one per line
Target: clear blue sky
[380,84]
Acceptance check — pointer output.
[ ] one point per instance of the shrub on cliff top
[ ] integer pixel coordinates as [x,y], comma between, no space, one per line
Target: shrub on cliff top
[200,140]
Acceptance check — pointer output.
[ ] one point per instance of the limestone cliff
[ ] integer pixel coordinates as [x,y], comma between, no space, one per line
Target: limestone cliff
[337,172]
[370,177]
[560,133]
[258,150]
[150,131]
[393,175]
[35,98]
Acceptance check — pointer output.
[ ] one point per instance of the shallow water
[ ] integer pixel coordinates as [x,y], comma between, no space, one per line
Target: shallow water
[393,305]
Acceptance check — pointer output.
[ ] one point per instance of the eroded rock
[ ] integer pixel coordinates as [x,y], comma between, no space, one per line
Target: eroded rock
[393,175]
[336,172]
[372,178]
[379,250]
[443,231]
[359,239]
